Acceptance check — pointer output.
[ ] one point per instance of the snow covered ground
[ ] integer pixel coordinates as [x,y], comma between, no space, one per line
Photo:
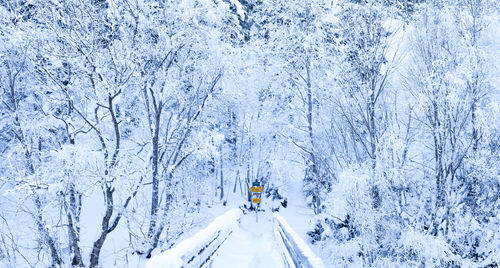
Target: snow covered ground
[252,244]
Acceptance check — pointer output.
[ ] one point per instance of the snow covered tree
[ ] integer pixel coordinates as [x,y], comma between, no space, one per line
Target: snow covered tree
[296,32]
[122,121]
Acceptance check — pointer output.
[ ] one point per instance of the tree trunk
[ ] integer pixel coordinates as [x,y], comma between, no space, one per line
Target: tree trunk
[236,179]
[155,181]
[56,260]
[221,180]
[374,189]
[316,200]
[72,215]
[105,230]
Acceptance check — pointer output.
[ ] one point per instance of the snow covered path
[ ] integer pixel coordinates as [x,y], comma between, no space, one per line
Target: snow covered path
[250,245]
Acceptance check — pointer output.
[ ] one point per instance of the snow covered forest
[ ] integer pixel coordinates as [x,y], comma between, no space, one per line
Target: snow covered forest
[123,123]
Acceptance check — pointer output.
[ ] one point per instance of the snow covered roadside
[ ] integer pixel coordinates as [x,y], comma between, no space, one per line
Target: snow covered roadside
[198,248]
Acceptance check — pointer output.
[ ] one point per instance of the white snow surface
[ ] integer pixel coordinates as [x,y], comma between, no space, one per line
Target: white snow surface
[252,244]
[176,256]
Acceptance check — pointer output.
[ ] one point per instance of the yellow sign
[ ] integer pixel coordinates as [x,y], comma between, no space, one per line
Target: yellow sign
[256,200]
[259,189]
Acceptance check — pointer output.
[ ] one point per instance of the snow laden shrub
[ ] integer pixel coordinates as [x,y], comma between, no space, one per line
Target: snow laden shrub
[277,199]
[345,207]
[317,183]
[352,232]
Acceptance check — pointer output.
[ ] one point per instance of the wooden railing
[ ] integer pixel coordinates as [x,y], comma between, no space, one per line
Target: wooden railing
[295,252]
[197,250]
